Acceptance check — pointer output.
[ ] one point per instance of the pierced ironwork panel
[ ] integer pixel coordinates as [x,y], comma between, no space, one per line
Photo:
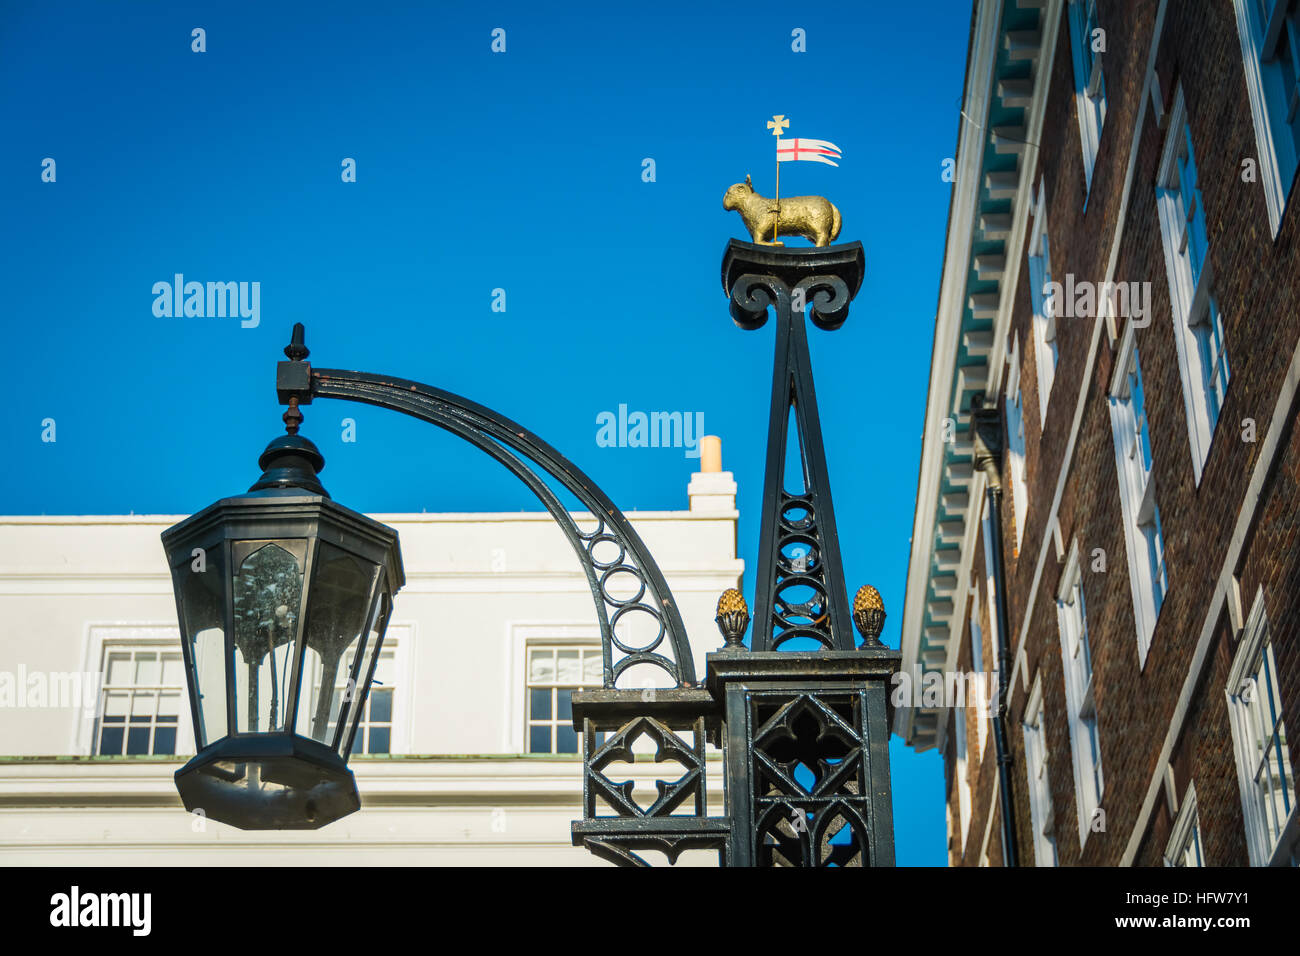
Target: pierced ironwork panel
[812,805]
[807,755]
[618,825]
[617,795]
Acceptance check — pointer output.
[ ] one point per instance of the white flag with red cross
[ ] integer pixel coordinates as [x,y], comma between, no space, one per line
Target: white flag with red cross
[807,150]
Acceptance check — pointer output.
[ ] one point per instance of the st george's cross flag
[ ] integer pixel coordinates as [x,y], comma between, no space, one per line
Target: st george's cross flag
[811,150]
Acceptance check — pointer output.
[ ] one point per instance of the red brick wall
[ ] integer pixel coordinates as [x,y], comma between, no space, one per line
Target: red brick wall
[1257,286]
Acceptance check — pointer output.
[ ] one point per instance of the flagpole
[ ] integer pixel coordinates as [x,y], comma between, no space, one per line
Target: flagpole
[776,124]
[776,226]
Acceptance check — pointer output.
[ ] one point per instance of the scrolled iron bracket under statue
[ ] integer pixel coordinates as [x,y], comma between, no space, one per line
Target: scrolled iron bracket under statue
[804,732]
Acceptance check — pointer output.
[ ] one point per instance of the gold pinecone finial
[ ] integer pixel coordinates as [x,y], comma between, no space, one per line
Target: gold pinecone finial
[869,614]
[733,618]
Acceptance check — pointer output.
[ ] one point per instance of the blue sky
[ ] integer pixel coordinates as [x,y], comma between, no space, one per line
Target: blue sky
[475,171]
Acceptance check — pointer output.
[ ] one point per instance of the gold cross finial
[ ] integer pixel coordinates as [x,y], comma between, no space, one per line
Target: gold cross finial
[778,123]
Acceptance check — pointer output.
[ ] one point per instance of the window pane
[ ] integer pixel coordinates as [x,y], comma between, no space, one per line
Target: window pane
[381,705]
[566,740]
[568,670]
[541,667]
[110,740]
[564,706]
[119,669]
[137,741]
[379,740]
[148,669]
[539,740]
[164,740]
[539,703]
[592,667]
[173,671]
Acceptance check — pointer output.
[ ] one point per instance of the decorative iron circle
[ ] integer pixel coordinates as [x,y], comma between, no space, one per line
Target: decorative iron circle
[806,523]
[641,657]
[791,633]
[635,651]
[600,537]
[623,602]
[813,557]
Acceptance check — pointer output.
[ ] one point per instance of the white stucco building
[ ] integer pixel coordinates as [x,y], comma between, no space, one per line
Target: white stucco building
[467,756]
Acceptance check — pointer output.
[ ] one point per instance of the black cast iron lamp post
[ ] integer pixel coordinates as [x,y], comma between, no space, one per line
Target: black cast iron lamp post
[283,596]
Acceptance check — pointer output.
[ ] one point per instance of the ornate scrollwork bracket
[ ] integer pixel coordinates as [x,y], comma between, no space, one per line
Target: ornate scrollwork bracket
[611,553]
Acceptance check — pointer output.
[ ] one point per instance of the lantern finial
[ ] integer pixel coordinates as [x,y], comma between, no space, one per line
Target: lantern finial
[297,349]
[289,466]
[292,416]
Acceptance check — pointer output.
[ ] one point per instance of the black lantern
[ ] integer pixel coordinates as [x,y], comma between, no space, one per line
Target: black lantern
[283,596]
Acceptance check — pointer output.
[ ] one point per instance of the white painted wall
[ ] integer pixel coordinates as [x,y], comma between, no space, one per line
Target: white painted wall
[479,586]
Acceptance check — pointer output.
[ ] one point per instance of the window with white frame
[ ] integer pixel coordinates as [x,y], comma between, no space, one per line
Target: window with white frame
[1040,791]
[962,770]
[1184,847]
[1269,31]
[1143,537]
[1015,415]
[1264,771]
[1044,306]
[143,693]
[1087,43]
[1198,324]
[555,671]
[977,668]
[1081,703]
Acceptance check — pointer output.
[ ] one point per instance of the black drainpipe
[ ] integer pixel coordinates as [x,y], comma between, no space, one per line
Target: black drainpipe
[987,430]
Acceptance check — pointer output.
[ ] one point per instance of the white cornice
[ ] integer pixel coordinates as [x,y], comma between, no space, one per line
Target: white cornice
[1022,203]
[947,332]
[470,517]
[492,779]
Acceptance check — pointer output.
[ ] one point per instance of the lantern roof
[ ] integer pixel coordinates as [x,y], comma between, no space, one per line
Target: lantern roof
[289,490]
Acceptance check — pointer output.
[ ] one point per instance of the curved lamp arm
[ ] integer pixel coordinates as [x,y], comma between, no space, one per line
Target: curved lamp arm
[523,453]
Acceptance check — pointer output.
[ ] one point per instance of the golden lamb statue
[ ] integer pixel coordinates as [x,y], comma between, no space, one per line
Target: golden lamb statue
[813,217]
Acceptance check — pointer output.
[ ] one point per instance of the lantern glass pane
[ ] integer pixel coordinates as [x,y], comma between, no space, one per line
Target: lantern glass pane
[268,594]
[346,691]
[378,621]
[202,584]
[336,621]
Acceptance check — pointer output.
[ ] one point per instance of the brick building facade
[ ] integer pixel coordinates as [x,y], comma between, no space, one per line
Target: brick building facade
[1122,283]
